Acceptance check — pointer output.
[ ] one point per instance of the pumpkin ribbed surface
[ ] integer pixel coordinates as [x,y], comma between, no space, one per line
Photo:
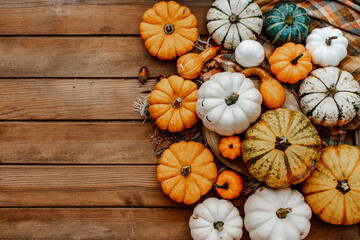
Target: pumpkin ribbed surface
[286,22]
[231,21]
[333,188]
[173,104]
[186,171]
[282,148]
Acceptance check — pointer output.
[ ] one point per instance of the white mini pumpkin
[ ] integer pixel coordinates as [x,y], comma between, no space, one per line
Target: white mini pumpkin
[231,21]
[327,46]
[228,103]
[277,214]
[216,219]
[330,96]
[249,53]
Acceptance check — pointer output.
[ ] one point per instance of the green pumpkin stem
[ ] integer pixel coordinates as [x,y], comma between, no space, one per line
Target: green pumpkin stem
[283,212]
[219,226]
[224,186]
[231,99]
[169,28]
[289,19]
[328,41]
[295,60]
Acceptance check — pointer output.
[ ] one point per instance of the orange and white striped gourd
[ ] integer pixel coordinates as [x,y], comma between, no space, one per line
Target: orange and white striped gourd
[189,66]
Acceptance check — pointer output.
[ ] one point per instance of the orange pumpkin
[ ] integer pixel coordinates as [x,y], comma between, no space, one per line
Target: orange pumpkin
[229,184]
[169,30]
[290,63]
[230,147]
[173,104]
[186,171]
[272,91]
[189,66]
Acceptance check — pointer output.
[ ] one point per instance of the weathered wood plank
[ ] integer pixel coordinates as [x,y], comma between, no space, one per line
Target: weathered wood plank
[76,143]
[71,99]
[125,223]
[72,57]
[84,185]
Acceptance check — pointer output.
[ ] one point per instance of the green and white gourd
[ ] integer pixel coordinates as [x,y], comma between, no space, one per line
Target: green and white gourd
[231,21]
[287,22]
[330,96]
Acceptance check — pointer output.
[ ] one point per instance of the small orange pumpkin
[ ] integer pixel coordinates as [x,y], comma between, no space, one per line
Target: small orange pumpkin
[186,171]
[169,30]
[290,63]
[229,184]
[230,147]
[189,66]
[173,104]
[271,90]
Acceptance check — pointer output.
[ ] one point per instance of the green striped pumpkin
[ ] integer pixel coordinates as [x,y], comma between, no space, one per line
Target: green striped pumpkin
[287,22]
[231,21]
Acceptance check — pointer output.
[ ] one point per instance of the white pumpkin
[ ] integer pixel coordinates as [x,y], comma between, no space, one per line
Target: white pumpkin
[330,96]
[228,103]
[231,21]
[327,46]
[280,214]
[249,53]
[216,219]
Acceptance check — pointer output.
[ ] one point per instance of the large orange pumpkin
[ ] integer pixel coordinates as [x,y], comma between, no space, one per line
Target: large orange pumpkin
[186,171]
[173,104]
[169,30]
[333,188]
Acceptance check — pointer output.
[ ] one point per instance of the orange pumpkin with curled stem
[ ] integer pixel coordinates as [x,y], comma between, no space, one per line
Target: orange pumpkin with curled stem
[229,184]
[290,63]
[230,147]
[271,90]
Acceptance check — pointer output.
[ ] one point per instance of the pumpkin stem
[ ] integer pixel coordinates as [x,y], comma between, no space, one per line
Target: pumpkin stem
[328,41]
[343,186]
[289,19]
[233,18]
[219,226]
[224,186]
[282,143]
[295,60]
[332,90]
[169,28]
[185,170]
[283,212]
[177,102]
[231,99]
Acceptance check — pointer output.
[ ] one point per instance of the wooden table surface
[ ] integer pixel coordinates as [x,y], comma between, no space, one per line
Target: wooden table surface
[76,161]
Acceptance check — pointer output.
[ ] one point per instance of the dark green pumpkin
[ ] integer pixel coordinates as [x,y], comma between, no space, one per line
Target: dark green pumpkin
[286,22]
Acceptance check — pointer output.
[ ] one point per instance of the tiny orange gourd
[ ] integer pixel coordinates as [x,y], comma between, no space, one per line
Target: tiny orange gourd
[229,184]
[290,63]
[230,147]
[189,66]
[271,90]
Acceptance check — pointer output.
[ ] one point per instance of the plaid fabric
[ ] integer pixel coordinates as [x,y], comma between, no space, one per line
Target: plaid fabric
[341,14]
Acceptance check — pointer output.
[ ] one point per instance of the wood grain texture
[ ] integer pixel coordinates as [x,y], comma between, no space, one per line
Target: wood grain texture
[84,185]
[71,99]
[76,143]
[73,57]
[125,223]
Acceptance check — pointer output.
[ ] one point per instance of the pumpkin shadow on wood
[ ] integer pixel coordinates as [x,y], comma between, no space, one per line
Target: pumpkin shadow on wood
[213,139]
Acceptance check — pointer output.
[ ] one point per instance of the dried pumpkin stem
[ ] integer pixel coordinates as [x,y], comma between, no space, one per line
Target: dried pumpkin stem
[343,186]
[295,60]
[282,143]
[231,99]
[233,18]
[328,41]
[332,90]
[219,226]
[289,19]
[169,28]
[224,186]
[185,170]
[177,102]
[283,212]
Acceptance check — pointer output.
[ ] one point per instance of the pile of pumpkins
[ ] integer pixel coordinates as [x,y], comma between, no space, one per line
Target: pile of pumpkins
[281,147]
